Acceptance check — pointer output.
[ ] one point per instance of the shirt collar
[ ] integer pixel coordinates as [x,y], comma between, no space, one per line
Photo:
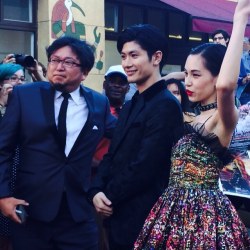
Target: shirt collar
[75,95]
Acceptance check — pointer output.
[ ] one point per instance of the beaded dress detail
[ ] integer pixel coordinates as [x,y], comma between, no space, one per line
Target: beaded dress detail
[193,213]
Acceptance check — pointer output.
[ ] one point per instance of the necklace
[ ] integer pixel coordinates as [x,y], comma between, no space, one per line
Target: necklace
[207,107]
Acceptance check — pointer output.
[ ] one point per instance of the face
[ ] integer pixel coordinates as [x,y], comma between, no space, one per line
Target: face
[200,83]
[219,39]
[136,63]
[16,79]
[173,88]
[116,87]
[63,77]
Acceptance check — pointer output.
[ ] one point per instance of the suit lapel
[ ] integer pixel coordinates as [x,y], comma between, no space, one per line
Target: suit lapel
[128,119]
[48,95]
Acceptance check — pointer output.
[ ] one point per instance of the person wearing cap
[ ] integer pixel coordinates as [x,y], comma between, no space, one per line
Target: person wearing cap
[115,87]
[10,76]
[133,174]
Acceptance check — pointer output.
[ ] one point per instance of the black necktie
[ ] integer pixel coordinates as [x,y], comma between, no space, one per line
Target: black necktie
[62,130]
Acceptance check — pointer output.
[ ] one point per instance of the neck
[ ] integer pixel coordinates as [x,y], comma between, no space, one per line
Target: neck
[206,107]
[148,83]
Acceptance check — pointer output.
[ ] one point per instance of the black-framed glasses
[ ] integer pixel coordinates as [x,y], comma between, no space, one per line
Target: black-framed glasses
[218,38]
[16,78]
[66,62]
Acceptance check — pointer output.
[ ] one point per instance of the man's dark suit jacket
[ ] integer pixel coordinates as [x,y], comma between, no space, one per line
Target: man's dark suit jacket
[45,172]
[135,171]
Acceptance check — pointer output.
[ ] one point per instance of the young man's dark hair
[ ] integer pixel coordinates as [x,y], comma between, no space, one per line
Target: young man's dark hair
[148,37]
[83,51]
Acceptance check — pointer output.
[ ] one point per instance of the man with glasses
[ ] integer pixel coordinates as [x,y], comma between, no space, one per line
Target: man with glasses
[221,37]
[57,125]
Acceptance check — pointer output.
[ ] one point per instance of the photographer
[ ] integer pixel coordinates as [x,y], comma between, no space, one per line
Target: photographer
[36,70]
[10,75]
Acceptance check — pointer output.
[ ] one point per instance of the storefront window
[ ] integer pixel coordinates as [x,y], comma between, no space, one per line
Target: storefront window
[111,17]
[176,26]
[24,42]
[16,10]
[132,15]
[157,18]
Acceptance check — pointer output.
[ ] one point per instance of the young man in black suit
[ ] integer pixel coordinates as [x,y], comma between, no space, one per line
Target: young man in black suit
[57,126]
[135,171]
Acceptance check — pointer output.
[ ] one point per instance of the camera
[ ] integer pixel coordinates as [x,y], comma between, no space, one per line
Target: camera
[24,60]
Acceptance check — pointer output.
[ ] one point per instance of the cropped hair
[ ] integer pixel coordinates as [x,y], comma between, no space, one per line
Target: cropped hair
[185,103]
[83,51]
[212,54]
[223,32]
[148,37]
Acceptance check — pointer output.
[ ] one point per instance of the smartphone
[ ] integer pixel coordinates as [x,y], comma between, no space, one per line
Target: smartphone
[21,213]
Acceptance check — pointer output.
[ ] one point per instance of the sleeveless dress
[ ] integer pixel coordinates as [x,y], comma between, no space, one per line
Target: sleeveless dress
[193,213]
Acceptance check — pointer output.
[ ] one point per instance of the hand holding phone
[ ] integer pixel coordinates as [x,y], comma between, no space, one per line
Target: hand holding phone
[21,213]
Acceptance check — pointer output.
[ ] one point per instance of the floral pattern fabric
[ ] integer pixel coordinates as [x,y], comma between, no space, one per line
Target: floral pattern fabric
[193,213]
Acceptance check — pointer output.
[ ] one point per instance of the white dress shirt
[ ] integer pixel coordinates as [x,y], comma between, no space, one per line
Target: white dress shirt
[77,114]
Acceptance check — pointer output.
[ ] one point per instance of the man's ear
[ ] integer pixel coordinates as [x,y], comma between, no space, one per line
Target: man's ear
[157,56]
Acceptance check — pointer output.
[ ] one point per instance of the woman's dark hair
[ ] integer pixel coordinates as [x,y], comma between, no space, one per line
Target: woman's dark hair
[213,55]
[150,38]
[83,51]
[185,103]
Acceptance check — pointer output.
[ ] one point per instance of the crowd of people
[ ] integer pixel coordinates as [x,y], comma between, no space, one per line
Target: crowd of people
[86,170]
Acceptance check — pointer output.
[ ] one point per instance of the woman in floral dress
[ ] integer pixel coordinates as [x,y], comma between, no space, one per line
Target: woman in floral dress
[193,213]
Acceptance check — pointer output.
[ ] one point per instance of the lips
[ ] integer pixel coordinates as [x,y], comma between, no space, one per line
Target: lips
[130,73]
[189,93]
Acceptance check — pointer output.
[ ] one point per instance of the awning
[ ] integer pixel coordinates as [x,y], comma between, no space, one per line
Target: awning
[208,15]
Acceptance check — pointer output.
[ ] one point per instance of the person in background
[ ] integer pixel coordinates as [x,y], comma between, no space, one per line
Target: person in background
[37,71]
[193,213]
[223,38]
[57,126]
[10,76]
[220,37]
[135,171]
[243,90]
[115,87]
[177,88]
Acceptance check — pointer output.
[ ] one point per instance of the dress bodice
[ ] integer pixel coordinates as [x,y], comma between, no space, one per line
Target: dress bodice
[197,159]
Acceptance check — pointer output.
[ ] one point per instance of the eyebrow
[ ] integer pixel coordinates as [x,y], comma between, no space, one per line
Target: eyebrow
[193,70]
[66,58]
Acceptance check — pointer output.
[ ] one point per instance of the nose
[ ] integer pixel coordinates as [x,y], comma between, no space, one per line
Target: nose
[187,81]
[60,66]
[126,63]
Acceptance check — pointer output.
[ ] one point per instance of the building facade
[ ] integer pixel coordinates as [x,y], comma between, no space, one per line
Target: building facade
[28,26]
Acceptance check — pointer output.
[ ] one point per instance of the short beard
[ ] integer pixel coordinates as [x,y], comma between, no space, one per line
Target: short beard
[58,86]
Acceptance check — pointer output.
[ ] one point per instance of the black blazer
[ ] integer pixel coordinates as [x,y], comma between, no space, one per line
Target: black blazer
[135,171]
[45,172]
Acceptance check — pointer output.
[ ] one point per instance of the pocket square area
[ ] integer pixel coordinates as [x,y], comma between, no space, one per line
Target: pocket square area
[95,127]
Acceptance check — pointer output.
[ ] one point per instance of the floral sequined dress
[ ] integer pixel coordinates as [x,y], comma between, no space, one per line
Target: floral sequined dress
[193,213]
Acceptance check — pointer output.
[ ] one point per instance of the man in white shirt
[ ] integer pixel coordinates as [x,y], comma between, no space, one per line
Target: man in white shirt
[57,125]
